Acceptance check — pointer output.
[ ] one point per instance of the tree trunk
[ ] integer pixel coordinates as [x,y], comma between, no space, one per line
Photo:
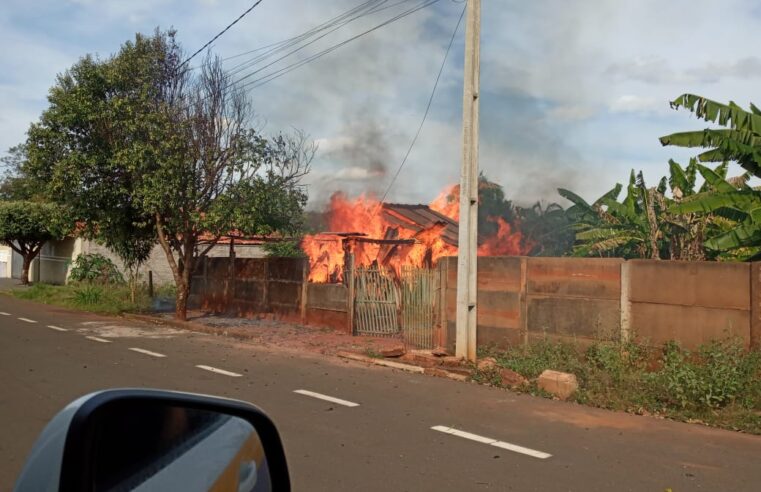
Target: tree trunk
[181,306]
[25,268]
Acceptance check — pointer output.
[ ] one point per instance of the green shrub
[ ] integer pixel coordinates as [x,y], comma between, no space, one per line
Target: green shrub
[87,295]
[718,374]
[95,268]
[532,360]
[284,249]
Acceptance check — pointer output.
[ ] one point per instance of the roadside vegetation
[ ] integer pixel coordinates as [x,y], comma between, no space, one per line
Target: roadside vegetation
[718,384]
[96,285]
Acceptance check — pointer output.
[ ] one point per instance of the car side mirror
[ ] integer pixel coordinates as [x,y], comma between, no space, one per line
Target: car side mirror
[137,439]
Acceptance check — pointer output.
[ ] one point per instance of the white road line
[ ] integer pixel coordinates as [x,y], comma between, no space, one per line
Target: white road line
[327,398]
[96,339]
[57,328]
[219,371]
[3,313]
[27,320]
[146,352]
[492,442]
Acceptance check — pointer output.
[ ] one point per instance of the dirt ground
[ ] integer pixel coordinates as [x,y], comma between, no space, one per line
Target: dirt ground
[274,333]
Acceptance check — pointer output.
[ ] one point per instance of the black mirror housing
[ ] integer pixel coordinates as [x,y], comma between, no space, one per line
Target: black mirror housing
[140,438]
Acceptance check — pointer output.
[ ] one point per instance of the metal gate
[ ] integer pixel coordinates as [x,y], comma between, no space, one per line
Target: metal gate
[420,291]
[385,305]
[376,303]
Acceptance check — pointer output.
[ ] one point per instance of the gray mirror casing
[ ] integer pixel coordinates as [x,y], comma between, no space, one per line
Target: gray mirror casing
[55,462]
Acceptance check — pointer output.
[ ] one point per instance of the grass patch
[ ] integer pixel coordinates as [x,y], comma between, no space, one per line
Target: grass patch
[97,298]
[718,384]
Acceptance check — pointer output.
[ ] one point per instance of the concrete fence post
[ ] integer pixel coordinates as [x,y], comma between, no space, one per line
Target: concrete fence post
[304,290]
[523,300]
[626,305]
[755,305]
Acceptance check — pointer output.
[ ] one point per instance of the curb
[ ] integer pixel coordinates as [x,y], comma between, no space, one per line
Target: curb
[430,371]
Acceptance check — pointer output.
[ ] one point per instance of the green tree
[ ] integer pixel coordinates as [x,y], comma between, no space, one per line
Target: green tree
[16,184]
[547,227]
[26,226]
[139,140]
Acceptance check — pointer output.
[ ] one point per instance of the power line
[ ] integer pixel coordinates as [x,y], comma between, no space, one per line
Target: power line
[280,45]
[332,25]
[425,115]
[221,32]
[279,73]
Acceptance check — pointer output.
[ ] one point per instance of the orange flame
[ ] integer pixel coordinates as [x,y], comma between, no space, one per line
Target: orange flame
[353,224]
[448,202]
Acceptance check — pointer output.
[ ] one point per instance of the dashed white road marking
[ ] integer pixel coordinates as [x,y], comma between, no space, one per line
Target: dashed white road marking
[3,313]
[57,328]
[146,352]
[96,339]
[331,399]
[26,320]
[492,442]
[219,371]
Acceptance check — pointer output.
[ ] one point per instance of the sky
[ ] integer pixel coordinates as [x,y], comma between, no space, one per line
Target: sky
[574,93]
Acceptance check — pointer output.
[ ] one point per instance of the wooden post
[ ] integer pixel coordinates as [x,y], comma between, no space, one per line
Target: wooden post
[266,286]
[304,289]
[230,297]
[150,284]
[349,270]
[442,339]
[205,275]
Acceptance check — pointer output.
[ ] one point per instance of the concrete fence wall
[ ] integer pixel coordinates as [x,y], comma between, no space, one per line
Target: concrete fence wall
[585,299]
[521,299]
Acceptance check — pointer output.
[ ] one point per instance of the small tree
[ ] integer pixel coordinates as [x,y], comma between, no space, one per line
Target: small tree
[27,226]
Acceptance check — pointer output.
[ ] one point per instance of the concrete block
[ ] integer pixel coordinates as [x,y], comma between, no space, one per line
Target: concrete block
[560,384]
[511,379]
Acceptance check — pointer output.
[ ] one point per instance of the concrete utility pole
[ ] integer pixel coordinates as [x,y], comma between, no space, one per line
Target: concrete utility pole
[468,241]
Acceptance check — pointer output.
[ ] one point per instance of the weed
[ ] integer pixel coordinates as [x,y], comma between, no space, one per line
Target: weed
[719,383]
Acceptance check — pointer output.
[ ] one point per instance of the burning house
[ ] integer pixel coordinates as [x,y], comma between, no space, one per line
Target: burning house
[392,236]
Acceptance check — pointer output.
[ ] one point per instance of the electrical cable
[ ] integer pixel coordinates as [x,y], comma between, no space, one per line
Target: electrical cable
[425,115]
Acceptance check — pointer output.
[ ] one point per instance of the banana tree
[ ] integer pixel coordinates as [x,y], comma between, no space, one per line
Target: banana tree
[736,211]
[733,202]
[740,141]
[629,229]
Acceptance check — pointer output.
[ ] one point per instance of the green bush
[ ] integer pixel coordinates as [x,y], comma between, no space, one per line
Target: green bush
[718,374]
[87,295]
[95,267]
[532,360]
[284,249]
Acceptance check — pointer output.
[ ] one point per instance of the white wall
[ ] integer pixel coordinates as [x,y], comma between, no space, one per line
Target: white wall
[6,261]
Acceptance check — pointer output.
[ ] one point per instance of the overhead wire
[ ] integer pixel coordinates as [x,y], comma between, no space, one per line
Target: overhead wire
[289,68]
[425,114]
[366,8]
[252,7]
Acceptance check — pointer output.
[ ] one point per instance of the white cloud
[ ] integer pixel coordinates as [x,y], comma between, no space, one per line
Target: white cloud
[637,104]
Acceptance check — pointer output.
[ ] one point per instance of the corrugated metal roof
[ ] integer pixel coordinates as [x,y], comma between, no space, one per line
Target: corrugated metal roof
[419,218]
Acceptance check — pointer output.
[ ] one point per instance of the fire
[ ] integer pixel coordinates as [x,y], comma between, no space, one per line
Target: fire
[379,236]
[505,242]
[363,228]
[448,202]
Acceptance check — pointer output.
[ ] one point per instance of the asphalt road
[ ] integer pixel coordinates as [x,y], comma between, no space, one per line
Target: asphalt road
[386,442]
